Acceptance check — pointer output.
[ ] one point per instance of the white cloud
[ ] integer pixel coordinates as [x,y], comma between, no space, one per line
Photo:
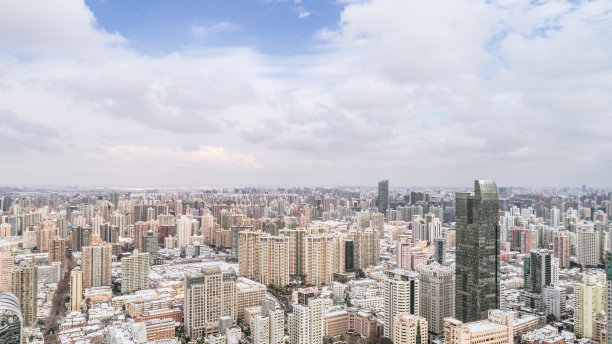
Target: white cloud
[302,13]
[207,155]
[215,29]
[421,94]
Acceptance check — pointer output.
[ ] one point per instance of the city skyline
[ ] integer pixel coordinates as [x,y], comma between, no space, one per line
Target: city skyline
[318,93]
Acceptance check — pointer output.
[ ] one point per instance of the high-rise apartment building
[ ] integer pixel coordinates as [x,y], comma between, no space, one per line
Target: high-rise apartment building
[437,296]
[307,322]
[409,329]
[248,254]
[57,252]
[97,264]
[555,217]
[383,196]
[76,289]
[477,284]
[589,299]
[208,296]
[403,253]
[135,272]
[587,248]
[297,245]
[25,288]
[319,259]
[7,264]
[562,249]
[274,260]
[140,230]
[11,318]
[401,295]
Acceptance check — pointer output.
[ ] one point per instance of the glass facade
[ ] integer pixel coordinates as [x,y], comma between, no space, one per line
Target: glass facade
[477,284]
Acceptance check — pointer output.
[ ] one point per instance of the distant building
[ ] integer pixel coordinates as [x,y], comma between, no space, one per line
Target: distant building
[383,196]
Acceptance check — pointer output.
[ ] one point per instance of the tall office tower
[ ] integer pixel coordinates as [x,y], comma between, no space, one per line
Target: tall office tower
[589,299]
[140,229]
[11,319]
[149,245]
[403,253]
[540,274]
[248,254]
[274,260]
[183,231]
[439,245]
[436,296]
[135,272]
[319,259]
[555,217]
[7,264]
[349,255]
[76,289]
[562,249]
[208,296]
[401,295]
[81,236]
[97,262]
[297,245]
[477,257]
[25,287]
[96,222]
[118,220]
[587,248]
[409,329]
[307,322]
[57,252]
[383,196]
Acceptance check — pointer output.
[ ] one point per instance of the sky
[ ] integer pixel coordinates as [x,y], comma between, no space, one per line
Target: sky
[327,92]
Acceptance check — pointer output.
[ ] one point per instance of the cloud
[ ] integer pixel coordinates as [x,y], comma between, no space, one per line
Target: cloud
[421,94]
[18,135]
[215,29]
[302,13]
[206,155]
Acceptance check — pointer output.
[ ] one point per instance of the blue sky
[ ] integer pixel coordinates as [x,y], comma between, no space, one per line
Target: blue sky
[158,27]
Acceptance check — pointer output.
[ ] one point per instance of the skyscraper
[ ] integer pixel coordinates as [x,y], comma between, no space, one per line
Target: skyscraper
[11,319]
[135,272]
[437,296]
[57,251]
[208,296]
[401,295]
[477,287]
[307,322]
[76,289]
[25,287]
[7,264]
[97,261]
[561,249]
[383,196]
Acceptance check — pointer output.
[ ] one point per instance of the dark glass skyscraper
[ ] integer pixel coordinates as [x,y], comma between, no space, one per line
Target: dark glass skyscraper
[11,320]
[383,196]
[477,286]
